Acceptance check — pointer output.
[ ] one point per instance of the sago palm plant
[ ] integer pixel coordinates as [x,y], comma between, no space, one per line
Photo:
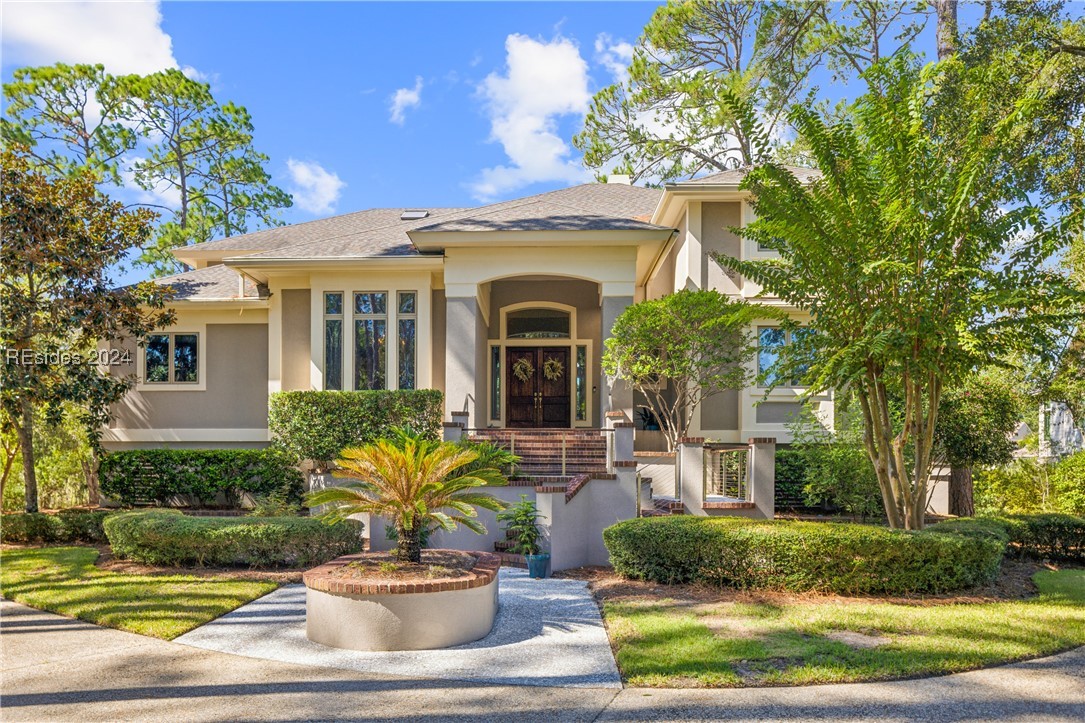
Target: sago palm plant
[417,483]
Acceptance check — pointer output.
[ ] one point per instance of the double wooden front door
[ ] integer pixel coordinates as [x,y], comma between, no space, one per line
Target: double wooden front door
[538,380]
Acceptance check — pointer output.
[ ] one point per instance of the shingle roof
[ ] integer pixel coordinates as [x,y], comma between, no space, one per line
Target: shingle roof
[587,207]
[210,283]
[734,176]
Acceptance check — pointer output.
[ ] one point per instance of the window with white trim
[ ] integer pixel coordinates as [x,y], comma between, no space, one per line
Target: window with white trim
[407,322]
[370,339]
[771,341]
[333,340]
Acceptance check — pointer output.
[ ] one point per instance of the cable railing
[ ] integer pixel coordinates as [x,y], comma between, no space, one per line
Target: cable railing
[727,472]
[507,436]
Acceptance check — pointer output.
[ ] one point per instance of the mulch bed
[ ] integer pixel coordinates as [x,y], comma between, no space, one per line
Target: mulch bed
[1014,583]
[443,564]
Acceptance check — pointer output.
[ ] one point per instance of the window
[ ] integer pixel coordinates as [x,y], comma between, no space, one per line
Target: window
[172,358]
[370,336]
[537,324]
[495,382]
[407,318]
[581,383]
[333,340]
[770,343]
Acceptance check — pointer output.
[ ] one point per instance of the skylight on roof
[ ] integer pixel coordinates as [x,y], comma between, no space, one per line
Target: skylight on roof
[414,214]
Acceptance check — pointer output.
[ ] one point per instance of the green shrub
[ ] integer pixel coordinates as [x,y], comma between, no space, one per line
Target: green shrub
[73,525]
[157,475]
[317,425]
[1068,484]
[800,556]
[168,537]
[1044,536]
[1028,486]
[790,479]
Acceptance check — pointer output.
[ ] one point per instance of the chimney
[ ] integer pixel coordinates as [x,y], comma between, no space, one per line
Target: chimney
[622,180]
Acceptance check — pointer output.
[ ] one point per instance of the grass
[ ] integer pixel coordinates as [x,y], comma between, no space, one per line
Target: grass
[64,580]
[670,643]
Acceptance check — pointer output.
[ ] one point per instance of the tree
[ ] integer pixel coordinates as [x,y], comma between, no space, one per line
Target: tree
[415,482]
[667,121]
[680,350]
[899,253]
[975,421]
[61,238]
[70,117]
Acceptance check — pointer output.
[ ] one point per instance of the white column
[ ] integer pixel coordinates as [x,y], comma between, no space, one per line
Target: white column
[462,365]
[762,475]
[616,395]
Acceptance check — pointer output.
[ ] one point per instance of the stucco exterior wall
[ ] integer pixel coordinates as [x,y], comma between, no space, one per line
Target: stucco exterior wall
[231,409]
[437,329]
[296,330]
[716,218]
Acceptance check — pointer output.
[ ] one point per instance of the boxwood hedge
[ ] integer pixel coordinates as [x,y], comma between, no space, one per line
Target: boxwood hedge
[168,537]
[317,425]
[800,556]
[208,476]
[73,525]
[1041,536]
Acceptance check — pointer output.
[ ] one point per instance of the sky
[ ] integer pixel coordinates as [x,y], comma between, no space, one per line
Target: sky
[369,104]
[366,104]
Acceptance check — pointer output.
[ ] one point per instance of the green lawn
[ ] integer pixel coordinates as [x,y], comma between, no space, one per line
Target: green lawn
[64,580]
[681,643]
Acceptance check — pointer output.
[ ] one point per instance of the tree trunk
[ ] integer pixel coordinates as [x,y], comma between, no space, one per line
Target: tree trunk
[90,471]
[408,544]
[946,11]
[960,492]
[25,432]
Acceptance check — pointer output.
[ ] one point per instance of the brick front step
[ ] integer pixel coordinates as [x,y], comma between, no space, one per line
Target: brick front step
[728,505]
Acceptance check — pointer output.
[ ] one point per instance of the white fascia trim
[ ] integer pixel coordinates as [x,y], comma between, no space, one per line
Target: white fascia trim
[461,239]
[222,303]
[185,435]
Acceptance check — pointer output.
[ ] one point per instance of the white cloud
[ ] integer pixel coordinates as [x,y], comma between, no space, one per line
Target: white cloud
[126,37]
[543,82]
[615,56]
[315,189]
[403,99]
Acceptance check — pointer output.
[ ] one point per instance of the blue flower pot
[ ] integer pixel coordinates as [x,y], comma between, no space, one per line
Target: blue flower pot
[538,566]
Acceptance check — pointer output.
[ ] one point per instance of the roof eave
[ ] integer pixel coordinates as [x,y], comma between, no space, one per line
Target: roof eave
[438,240]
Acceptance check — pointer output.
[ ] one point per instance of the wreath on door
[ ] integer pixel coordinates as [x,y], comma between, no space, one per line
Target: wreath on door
[553,369]
[522,369]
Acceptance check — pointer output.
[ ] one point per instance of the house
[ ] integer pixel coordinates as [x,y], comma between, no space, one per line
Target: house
[505,308]
[455,299]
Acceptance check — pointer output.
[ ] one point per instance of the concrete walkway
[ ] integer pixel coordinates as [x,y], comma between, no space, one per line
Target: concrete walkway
[547,633]
[58,669]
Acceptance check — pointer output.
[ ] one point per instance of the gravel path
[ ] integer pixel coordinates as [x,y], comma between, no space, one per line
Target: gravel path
[547,632]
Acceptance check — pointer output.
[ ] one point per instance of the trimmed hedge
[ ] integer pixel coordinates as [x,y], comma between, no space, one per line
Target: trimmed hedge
[142,476]
[1044,536]
[316,425]
[800,556]
[73,525]
[790,489]
[168,537]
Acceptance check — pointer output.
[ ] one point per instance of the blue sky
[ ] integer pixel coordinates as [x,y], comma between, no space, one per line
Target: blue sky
[364,104]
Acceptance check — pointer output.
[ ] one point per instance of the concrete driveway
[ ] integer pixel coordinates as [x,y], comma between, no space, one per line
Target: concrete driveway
[58,669]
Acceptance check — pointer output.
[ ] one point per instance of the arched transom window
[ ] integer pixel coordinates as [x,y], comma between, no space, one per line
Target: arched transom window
[537,324]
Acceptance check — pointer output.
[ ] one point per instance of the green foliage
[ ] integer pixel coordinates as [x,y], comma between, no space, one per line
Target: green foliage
[280,503]
[74,525]
[799,556]
[915,219]
[696,341]
[137,476]
[167,537]
[318,425]
[1042,536]
[522,521]
[790,478]
[416,483]
[975,421]
[1026,485]
[489,456]
[835,466]
[62,242]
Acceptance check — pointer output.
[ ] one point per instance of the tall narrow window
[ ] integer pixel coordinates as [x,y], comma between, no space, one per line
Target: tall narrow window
[495,382]
[172,358]
[407,318]
[333,340]
[581,383]
[370,339]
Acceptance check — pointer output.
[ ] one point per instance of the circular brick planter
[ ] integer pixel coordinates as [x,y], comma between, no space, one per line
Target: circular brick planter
[387,615]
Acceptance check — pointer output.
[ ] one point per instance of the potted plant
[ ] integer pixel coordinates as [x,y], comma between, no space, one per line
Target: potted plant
[521,520]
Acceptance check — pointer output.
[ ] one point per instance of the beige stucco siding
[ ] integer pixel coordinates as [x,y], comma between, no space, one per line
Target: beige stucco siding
[296,331]
[437,301]
[235,397]
[720,412]
[716,237]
